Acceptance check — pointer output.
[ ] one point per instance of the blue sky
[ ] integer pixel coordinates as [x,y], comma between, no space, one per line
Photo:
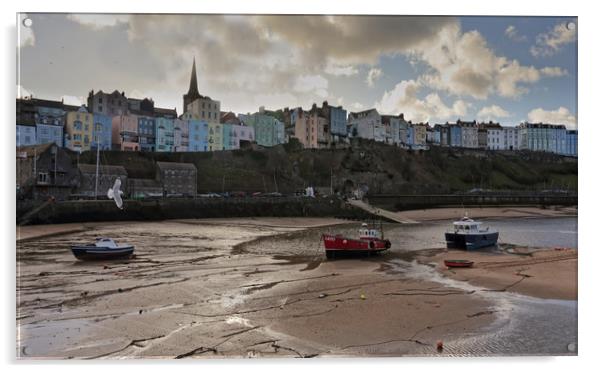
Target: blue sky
[435,69]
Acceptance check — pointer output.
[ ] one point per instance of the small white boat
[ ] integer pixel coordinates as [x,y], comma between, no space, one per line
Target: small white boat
[102,249]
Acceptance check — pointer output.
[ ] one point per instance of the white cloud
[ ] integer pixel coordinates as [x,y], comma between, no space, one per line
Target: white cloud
[374,74]
[403,98]
[73,100]
[463,64]
[560,116]
[25,35]
[553,71]
[312,83]
[551,42]
[356,106]
[492,112]
[340,70]
[99,21]
[512,34]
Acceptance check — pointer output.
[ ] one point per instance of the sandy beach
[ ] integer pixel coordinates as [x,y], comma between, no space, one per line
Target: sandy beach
[258,288]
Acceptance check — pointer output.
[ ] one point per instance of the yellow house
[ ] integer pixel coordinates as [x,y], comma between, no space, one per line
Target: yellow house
[79,130]
[214,139]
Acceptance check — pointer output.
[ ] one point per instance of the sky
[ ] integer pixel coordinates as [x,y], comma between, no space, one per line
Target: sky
[431,69]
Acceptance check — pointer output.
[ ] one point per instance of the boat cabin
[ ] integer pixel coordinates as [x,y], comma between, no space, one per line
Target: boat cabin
[467,225]
[368,233]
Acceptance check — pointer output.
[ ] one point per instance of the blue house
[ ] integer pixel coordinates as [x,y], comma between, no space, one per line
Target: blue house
[26,135]
[101,132]
[146,133]
[455,135]
[49,133]
[571,143]
[410,136]
[198,132]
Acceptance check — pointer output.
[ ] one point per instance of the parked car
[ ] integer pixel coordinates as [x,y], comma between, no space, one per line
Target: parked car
[210,195]
[238,194]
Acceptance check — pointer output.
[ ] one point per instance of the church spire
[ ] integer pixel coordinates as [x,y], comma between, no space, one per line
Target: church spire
[194,88]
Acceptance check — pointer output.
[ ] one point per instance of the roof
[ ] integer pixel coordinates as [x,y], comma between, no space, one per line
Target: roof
[102,169]
[47,103]
[144,183]
[361,113]
[175,166]
[162,111]
[33,149]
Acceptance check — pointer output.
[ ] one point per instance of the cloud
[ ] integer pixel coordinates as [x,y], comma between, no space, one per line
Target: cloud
[403,98]
[560,116]
[512,34]
[551,42]
[73,100]
[340,70]
[373,75]
[553,71]
[99,21]
[312,84]
[25,35]
[356,106]
[463,64]
[492,112]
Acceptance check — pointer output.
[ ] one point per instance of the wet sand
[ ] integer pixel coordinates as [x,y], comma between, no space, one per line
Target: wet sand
[485,212]
[542,273]
[240,288]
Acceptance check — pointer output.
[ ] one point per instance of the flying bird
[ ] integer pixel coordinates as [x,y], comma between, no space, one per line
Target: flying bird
[115,193]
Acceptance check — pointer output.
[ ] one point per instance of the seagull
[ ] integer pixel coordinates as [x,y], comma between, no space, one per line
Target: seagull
[115,193]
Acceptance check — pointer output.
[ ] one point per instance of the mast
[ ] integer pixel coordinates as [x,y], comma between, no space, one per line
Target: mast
[97,164]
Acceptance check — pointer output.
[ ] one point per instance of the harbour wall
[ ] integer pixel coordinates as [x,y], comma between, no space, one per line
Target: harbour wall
[412,202]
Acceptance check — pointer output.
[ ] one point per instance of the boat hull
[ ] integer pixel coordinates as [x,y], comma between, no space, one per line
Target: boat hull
[458,263]
[471,241]
[337,244]
[100,253]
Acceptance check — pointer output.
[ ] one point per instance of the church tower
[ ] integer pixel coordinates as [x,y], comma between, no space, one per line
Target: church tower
[193,90]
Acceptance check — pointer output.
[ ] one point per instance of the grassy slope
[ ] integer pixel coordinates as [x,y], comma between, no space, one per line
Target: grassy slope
[385,169]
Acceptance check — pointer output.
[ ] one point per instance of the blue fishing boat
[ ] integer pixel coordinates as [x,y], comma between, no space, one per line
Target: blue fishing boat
[468,234]
[102,249]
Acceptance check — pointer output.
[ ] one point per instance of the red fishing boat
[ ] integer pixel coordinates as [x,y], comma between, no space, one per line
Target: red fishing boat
[371,240]
[458,263]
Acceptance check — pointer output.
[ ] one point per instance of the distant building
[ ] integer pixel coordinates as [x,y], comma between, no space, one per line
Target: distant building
[110,104]
[441,134]
[26,135]
[366,125]
[419,135]
[45,171]
[177,178]
[125,133]
[201,107]
[165,113]
[543,137]
[48,117]
[391,125]
[229,118]
[79,128]
[571,143]
[101,132]
[215,137]
[269,131]
[164,134]
[180,135]
[491,136]
[145,106]
[106,179]
[146,133]
[470,134]
[455,135]
[232,135]
[511,138]
[198,133]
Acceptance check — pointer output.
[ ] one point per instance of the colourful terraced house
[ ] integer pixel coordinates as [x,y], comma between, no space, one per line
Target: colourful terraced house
[79,129]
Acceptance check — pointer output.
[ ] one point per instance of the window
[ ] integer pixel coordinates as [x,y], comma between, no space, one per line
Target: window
[43,177]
